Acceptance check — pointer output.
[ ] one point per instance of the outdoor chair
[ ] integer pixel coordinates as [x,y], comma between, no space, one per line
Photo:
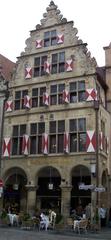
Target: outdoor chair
[81,225]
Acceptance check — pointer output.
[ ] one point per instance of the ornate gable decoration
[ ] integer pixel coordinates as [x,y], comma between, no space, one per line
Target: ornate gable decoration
[52,16]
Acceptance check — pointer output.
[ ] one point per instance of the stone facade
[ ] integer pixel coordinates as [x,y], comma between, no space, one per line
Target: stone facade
[64,160]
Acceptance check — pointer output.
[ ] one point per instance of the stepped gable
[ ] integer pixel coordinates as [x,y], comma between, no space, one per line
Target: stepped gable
[54,17]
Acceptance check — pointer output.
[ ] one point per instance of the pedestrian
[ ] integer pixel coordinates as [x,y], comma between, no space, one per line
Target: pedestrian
[102,215]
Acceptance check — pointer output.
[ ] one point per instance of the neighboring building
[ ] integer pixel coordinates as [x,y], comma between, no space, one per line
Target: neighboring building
[56,123]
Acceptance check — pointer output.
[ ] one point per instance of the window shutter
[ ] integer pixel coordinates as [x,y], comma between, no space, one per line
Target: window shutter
[27,102]
[25,144]
[91,94]
[9,106]
[66,142]
[45,143]
[69,65]
[65,96]
[46,99]
[47,67]
[6,147]
[90,141]
[38,43]
[28,72]
[60,38]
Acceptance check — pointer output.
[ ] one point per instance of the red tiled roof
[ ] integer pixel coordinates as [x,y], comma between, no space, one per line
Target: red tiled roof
[6,67]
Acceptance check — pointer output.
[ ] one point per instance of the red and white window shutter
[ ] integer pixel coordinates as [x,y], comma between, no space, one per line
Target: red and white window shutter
[60,38]
[90,141]
[28,72]
[25,144]
[45,143]
[9,106]
[27,102]
[91,94]
[69,65]
[47,67]
[38,43]
[101,140]
[65,96]
[6,147]
[46,99]
[66,142]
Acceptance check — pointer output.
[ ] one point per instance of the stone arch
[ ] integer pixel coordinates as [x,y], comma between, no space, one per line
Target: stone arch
[49,191]
[80,174]
[15,179]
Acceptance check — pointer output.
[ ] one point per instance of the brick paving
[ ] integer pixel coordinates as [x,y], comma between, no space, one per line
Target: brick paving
[18,234]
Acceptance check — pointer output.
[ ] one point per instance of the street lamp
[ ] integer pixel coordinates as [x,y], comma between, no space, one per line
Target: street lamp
[96,107]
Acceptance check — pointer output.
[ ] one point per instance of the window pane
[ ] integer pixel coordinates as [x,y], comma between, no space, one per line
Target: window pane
[36,72]
[82,124]
[22,129]
[43,59]
[73,125]
[14,146]
[20,145]
[73,86]
[42,90]
[46,42]
[33,128]
[33,145]
[41,127]
[54,68]
[34,102]
[60,99]
[61,126]
[47,34]
[52,148]
[53,127]
[17,95]
[81,85]
[17,104]
[39,144]
[73,97]
[37,61]
[24,93]
[82,142]
[60,143]
[53,33]
[61,87]
[53,100]
[53,41]
[35,92]
[53,88]
[73,142]
[61,67]
[62,57]
[54,58]
[81,96]
[15,130]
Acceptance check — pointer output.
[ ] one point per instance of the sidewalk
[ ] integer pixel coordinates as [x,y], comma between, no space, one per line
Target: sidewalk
[103,234]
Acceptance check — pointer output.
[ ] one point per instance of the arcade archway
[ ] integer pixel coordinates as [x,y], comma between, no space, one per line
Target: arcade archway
[49,191]
[14,190]
[80,174]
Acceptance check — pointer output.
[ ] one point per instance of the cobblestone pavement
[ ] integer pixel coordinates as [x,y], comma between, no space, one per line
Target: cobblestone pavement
[17,234]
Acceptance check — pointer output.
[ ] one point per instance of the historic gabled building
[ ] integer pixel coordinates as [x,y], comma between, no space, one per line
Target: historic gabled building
[56,136]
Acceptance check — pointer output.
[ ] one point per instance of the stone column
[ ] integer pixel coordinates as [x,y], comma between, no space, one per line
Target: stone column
[31,198]
[65,200]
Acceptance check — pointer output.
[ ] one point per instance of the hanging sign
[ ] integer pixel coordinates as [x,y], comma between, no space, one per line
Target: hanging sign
[82,186]
[99,189]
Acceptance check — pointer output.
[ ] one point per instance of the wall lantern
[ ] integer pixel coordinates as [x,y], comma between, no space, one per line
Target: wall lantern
[50,185]
[93,168]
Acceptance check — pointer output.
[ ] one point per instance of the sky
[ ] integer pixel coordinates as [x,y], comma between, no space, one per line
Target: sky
[92,18]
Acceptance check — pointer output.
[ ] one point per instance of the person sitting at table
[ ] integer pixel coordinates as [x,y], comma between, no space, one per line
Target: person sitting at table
[44,222]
